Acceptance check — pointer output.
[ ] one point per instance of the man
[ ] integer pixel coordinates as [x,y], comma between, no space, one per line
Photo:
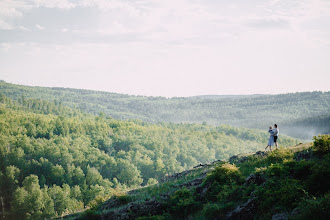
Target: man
[276,132]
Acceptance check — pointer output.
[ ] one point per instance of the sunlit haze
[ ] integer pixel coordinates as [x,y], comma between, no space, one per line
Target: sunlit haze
[167,47]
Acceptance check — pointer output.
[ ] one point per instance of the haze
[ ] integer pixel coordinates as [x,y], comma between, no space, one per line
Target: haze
[167,48]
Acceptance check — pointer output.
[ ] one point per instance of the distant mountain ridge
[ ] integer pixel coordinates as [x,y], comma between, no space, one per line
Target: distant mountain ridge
[251,111]
[226,96]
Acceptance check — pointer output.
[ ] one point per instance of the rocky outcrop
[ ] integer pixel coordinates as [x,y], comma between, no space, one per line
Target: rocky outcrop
[303,155]
[241,158]
[133,210]
[255,179]
[245,211]
[280,216]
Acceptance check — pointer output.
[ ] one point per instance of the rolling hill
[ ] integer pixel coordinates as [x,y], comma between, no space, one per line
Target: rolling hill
[292,112]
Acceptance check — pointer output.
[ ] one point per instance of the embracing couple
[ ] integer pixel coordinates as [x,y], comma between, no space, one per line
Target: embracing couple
[273,137]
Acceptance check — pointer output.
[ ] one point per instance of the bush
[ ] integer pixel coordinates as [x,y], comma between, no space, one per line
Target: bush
[89,214]
[319,179]
[281,194]
[182,202]
[217,210]
[225,174]
[280,155]
[322,144]
[313,208]
[155,217]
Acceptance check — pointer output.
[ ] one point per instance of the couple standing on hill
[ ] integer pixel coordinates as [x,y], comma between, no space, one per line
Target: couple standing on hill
[273,137]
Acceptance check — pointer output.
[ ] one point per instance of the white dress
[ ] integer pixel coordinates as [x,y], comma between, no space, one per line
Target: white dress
[271,138]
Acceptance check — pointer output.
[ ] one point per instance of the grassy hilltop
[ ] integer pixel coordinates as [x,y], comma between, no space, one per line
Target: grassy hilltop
[289,183]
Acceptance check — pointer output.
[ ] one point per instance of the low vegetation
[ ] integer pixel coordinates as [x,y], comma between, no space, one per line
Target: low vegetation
[292,182]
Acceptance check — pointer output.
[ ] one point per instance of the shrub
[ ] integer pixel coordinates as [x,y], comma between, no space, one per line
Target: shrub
[314,208]
[277,170]
[322,144]
[319,179]
[225,174]
[280,155]
[89,214]
[281,194]
[155,217]
[182,202]
[216,210]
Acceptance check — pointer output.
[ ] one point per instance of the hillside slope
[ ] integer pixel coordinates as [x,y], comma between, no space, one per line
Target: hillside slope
[292,182]
[55,160]
[251,111]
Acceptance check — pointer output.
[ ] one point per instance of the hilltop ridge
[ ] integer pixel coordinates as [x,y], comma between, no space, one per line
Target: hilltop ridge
[282,183]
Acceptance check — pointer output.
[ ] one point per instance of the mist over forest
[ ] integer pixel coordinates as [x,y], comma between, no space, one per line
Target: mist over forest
[300,115]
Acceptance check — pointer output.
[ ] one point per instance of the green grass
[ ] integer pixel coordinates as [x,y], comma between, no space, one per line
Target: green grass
[289,183]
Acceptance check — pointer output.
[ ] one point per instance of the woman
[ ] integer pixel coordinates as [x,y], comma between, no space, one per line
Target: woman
[271,138]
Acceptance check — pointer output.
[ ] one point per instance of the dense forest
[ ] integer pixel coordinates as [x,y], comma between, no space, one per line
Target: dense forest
[55,160]
[297,114]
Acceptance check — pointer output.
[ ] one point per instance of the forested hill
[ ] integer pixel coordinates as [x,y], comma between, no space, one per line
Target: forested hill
[298,114]
[55,160]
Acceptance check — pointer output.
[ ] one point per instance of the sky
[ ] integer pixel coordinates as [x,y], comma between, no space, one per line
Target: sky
[167,47]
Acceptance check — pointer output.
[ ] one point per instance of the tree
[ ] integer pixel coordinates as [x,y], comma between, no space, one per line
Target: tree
[28,200]
[128,173]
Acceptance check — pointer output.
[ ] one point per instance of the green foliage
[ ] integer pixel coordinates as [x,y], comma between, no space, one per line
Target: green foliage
[223,182]
[289,183]
[155,217]
[322,144]
[282,194]
[124,199]
[89,214]
[279,155]
[152,181]
[217,210]
[182,202]
[293,112]
[318,180]
[225,174]
[314,208]
[79,159]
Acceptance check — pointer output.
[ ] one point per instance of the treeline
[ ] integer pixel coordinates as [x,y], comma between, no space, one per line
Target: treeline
[255,111]
[307,127]
[57,161]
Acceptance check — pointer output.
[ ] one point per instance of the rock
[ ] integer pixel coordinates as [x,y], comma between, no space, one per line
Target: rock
[233,159]
[242,159]
[245,211]
[303,155]
[217,161]
[200,165]
[132,210]
[202,190]
[255,178]
[280,216]
[261,153]
[296,211]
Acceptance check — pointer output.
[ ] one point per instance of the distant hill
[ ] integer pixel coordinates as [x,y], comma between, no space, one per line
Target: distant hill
[225,96]
[250,111]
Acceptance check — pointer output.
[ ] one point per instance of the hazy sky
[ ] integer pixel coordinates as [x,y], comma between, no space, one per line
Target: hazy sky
[167,47]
